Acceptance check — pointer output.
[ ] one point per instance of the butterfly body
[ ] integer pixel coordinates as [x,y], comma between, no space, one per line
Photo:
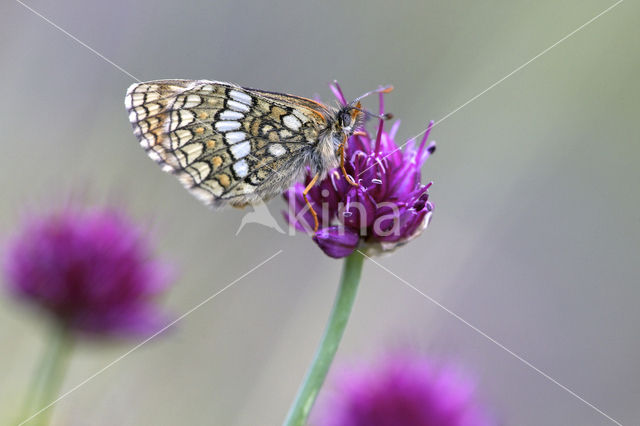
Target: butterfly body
[233,145]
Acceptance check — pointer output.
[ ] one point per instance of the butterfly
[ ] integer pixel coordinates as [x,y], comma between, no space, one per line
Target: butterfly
[238,146]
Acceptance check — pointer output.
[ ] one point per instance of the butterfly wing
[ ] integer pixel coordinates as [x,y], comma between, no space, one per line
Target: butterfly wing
[225,143]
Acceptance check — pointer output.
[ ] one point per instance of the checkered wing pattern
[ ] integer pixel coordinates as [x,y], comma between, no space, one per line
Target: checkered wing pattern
[225,143]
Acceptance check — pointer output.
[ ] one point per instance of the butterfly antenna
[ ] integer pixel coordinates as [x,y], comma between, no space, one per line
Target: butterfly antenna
[384,89]
[387,116]
[357,106]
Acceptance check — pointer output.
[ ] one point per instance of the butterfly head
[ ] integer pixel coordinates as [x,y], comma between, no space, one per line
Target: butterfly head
[350,119]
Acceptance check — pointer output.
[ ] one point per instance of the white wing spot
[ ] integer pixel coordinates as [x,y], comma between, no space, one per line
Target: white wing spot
[152,96]
[179,138]
[243,188]
[227,114]
[300,115]
[285,134]
[241,150]
[154,156]
[238,106]
[146,142]
[225,126]
[180,119]
[240,97]
[276,149]
[213,186]
[186,179]
[144,127]
[198,171]
[241,168]
[192,101]
[292,122]
[233,137]
[140,113]
[192,151]
[128,99]
[151,109]
[137,99]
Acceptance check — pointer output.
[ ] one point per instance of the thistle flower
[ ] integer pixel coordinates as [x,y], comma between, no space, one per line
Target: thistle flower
[92,270]
[402,390]
[388,208]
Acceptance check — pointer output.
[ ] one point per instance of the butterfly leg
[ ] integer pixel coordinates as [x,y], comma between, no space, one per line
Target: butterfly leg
[313,212]
[344,172]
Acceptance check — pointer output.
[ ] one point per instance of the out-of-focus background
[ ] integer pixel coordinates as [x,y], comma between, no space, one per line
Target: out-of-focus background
[535,238]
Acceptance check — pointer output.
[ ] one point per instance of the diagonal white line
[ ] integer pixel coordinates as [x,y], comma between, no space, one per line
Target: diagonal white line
[503,78]
[121,69]
[136,347]
[74,38]
[405,282]
[494,341]
[523,65]
[418,134]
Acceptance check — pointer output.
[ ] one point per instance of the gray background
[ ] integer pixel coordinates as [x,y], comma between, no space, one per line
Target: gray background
[535,237]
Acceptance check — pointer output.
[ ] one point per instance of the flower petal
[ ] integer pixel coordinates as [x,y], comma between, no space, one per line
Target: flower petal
[336,241]
[90,269]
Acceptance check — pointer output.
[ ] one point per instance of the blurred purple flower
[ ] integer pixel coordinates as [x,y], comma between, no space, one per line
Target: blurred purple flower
[91,269]
[403,390]
[388,208]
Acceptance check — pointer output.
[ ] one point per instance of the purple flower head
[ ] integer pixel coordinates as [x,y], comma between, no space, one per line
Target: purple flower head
[389,206]
[402,390]
[91,269]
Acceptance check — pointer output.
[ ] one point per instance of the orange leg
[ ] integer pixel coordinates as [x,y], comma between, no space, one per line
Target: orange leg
[313,212]
[344,172]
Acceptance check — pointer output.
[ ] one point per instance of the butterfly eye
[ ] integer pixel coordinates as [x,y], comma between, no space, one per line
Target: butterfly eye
[345,119]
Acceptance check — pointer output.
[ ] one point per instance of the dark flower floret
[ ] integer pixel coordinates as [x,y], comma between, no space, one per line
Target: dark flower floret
[389,206]
[403,389]
[92,270]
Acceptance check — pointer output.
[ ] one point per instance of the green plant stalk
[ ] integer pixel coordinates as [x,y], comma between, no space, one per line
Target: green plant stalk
[317,372]
[48,378]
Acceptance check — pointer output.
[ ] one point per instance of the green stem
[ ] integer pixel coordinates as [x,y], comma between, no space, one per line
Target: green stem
[299,412]
[48,378]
